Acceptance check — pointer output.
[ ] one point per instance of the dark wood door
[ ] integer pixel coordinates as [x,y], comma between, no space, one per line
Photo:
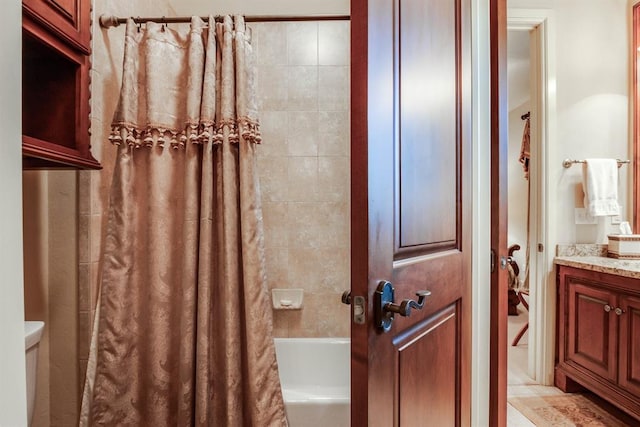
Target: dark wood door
[411,210]
[591,328]
[629,367]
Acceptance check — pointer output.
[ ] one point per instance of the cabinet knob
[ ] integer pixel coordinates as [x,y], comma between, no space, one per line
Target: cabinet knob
[619,311]
[607,308]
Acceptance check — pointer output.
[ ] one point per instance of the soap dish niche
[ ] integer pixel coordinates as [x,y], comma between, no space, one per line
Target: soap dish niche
[287,299]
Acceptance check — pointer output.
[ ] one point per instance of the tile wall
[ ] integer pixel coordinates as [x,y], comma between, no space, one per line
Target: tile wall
[304,166]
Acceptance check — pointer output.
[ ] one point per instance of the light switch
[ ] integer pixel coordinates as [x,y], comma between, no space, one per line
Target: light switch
[583,217]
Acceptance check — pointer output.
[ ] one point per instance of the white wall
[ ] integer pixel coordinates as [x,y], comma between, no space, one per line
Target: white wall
[592,94]
[13,409]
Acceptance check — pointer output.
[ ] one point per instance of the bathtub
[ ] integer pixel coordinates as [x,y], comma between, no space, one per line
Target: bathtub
[315,374]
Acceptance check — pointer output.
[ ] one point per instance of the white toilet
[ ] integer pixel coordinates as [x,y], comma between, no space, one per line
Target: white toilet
[32,335]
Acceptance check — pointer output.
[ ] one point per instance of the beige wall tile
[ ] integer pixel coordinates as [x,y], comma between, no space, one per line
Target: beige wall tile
[84,334]
[84,230]
[322,316]
[333,88]
[98,204]
[277,266]
[84,291]
[271,46]
[281,323]
[302,133]
[273,174]
[320,270]
[302,43]
[273,126]
[302,88]
[84,192]
[318,225]
[334,133]
[333,178]
[95,243]
[94,283]
[272,88]
[334,42]
[303,179]
[276,224]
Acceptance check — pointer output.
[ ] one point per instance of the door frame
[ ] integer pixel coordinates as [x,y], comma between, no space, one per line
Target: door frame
[543,104]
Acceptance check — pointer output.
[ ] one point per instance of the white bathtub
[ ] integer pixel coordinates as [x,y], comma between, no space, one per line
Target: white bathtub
[315,374]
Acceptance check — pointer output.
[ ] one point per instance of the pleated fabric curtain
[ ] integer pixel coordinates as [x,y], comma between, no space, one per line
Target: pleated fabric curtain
[184,331]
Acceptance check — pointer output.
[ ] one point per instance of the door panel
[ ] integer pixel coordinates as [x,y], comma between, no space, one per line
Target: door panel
[411,209]
[629,371]
[591,332]
[428,114]
[429,354]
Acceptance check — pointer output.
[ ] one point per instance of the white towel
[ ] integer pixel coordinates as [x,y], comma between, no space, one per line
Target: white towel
[600,183]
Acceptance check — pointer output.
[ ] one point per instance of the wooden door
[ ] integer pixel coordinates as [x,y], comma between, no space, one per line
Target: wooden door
[629,344]
[591,327]
[499,190]
[411,210]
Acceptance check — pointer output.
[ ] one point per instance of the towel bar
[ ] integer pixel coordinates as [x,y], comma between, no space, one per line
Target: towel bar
[567,163]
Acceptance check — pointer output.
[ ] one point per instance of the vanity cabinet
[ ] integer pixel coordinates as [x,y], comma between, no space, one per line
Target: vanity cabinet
[599,336]
[55,84]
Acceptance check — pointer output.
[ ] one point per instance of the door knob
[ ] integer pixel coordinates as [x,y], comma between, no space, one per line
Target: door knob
[385,308]
[346,297]
[404,308]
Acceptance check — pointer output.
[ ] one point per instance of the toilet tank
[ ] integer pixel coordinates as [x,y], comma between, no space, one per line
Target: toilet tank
[32,334]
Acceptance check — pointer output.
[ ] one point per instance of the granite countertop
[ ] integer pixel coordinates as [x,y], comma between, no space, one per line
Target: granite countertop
[594,258]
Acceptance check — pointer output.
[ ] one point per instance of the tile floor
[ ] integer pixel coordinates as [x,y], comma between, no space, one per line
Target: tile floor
[519,383]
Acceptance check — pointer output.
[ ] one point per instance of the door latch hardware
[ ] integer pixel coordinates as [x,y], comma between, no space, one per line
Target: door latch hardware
[359,317]
[385,309]
[358,302]
[493,260]
[503,262]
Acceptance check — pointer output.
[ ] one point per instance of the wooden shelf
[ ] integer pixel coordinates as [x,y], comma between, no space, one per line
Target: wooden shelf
[55,99]
[38,154]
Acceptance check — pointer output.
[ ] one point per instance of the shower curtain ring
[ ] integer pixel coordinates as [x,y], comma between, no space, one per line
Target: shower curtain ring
[139,22]
[164,23]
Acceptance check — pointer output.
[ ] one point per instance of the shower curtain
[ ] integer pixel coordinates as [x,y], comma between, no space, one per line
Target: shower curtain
[183,332]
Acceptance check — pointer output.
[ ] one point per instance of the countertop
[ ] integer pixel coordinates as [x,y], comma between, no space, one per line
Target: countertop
[619,267]
[594,257]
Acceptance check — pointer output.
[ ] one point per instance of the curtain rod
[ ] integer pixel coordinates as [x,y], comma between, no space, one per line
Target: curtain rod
[108,21]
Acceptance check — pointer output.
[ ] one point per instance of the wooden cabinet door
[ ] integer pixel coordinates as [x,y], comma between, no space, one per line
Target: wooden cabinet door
[629,345]
[591,339]
[411,210]
[67,19]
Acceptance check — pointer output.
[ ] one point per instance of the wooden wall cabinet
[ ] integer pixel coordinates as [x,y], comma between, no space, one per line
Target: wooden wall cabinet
[599,336]
[55,84]
[68,20]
